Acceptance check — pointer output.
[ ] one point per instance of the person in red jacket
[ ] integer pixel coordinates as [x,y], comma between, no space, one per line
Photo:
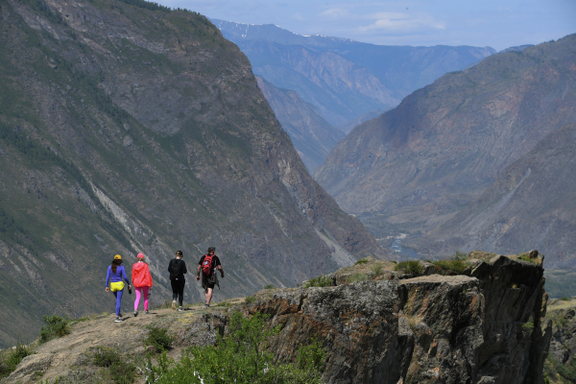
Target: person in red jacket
[142,280]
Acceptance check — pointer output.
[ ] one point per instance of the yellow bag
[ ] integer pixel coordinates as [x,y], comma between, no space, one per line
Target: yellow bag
[118,286]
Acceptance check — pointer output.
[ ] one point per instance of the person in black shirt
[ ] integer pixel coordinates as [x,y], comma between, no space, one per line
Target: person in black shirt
[207,265]
[177,269]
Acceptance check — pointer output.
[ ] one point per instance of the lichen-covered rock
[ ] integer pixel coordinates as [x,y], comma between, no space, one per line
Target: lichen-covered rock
[483,328]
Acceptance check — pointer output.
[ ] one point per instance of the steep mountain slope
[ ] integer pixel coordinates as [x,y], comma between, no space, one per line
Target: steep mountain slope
[131,128]
[343,78]
[312,136]
[531,204]
[415,167]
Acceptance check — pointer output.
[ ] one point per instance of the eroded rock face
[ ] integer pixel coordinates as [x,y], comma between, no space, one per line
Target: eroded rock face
[484,327]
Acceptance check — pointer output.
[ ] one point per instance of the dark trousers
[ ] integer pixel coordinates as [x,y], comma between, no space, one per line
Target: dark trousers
[178,290]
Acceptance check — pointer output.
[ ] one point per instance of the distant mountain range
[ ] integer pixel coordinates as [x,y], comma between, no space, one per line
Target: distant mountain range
[126,127]
[476,159]
[345,80]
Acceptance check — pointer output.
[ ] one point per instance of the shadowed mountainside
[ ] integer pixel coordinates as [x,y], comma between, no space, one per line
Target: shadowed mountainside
[125,130]
[532,202]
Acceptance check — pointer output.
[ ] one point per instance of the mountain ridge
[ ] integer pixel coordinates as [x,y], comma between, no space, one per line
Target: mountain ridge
[414,167]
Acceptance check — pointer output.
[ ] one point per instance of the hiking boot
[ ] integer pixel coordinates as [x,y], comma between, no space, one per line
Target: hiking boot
[135,313]
[174,304]
[206,305]
[118,319]
[146,312]
[120,315]
[180,309]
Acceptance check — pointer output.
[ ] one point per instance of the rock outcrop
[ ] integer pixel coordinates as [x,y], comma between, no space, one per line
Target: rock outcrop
[483,326]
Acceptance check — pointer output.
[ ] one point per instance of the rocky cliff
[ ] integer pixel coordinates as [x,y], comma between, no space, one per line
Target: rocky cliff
[125,128]
[415,167]
[485,325]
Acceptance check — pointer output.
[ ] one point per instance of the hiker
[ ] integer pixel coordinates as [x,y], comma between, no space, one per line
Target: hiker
[114,277]
[142,280]
[177,269]
[207,264]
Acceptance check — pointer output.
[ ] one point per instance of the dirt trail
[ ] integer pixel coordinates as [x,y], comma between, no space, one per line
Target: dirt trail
[70,358]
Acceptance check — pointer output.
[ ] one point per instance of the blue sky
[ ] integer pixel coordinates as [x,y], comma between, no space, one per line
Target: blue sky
[499,24]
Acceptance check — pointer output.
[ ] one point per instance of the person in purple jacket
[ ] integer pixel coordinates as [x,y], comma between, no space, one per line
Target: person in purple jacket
[114,277]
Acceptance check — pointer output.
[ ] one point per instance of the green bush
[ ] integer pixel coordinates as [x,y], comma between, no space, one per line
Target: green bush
[120,371]
[320,281]
[269,286]
[12,357]
[361,261]
[377,269]
[411,267]
[105,357]
[568,371]
[55,327]
[249,299]
[457,263]
[240,357]
[454,265]
[356,277]
[159,339]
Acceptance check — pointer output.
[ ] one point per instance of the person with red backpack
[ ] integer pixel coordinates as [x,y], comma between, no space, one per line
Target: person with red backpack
[207,265]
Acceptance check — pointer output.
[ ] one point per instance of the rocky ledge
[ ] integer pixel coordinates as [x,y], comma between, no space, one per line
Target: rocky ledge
[483,325]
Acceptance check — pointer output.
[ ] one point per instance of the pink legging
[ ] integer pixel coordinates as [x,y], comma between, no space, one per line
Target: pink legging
[141,291]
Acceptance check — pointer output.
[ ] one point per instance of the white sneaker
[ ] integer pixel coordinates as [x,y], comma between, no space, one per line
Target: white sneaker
[135,313]
[118,319]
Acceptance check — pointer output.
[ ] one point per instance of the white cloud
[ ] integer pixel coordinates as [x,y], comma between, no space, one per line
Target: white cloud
[298,17]
[401,22]
[335,13]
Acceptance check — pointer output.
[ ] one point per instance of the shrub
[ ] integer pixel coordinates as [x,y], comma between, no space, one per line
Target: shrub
[240,357]
[525,257]
[454,265]
[356,277]
[12,358]
[159,339]
[457,263]
[249,299]
[269,286]
[359,262]
[55,327]
[411,267]
[120,371]
[105,357]
[320,281]
[568,371]
[377,269]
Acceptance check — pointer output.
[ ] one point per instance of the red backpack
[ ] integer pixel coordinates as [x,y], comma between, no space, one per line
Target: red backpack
[207,265]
